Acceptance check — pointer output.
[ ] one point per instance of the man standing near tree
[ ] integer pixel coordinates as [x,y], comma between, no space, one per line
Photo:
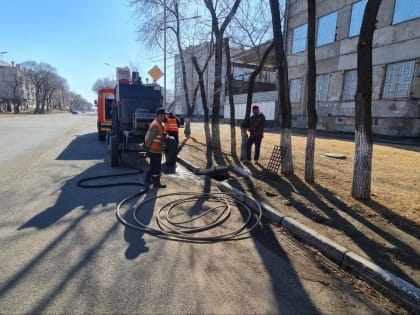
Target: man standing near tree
[256,133]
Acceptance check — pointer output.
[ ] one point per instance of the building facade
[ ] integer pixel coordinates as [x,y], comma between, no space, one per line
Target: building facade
[396,65]
[240,70]
[396,69]
[15,88]
[201,52]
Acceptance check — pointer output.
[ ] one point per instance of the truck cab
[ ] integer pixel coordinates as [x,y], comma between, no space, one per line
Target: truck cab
[105,105]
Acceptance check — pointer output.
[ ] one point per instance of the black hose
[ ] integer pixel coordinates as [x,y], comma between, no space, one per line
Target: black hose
[169,228]
[82,183]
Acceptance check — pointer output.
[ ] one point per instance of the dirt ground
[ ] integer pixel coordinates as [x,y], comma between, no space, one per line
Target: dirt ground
[385,229]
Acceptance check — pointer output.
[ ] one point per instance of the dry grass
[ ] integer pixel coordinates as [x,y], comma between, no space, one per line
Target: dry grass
[395,172]
[385,229]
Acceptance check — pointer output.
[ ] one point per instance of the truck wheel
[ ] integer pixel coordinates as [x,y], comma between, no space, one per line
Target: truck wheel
[101,135]
[115,154]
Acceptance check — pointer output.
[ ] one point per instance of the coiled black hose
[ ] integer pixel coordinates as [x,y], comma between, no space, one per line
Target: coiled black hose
[169,228]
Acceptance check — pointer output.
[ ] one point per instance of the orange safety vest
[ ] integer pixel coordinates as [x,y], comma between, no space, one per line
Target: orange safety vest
[156,145]
[171,125]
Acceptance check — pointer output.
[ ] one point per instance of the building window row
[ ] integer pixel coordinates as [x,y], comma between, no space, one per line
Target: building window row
[404,10]
[397,83]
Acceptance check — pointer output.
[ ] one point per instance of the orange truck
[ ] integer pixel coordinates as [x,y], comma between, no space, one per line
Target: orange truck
[105,104]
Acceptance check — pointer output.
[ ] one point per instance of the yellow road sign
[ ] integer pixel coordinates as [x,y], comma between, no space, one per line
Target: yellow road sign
[155,73]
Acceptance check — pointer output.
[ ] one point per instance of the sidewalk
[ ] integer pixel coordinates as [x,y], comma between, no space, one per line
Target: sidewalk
[377,243]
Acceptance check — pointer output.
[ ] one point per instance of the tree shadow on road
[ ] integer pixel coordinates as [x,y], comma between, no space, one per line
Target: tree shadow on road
[266,238]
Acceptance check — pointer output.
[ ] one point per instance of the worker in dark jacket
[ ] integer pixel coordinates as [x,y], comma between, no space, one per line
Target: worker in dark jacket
[154,144]
[256,133]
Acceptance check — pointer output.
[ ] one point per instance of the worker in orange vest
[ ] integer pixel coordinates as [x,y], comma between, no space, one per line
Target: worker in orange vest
[171,126]
[154,144]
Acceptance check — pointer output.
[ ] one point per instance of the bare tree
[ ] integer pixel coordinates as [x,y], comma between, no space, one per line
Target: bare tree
[39,75]
[14,80]
[104,83]
[202,88]
[77,101]
[310,101]
[151,13]
[218,31]
[62,95]
[283,91]
[361,183]
[201,85]
[252,30]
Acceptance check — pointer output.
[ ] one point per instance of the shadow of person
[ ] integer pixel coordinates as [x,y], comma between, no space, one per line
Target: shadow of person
[143,209]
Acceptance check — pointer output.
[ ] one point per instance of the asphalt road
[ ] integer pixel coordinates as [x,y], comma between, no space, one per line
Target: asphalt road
[64,251]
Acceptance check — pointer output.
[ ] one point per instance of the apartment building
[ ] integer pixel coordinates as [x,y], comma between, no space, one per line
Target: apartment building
[396,68]
[201,52]
[15,86]
[396,65]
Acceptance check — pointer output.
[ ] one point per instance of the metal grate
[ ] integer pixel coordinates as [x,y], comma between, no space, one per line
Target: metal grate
[275,160]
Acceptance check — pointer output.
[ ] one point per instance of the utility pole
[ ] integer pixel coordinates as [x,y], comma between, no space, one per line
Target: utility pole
[164,52]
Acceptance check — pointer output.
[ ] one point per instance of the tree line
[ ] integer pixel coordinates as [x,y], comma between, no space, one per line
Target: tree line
[51,91]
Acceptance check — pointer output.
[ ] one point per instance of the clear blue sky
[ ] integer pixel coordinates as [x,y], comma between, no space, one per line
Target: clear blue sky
[77,37]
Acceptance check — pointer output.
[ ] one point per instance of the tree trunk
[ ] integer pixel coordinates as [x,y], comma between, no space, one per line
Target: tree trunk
[218,59]
[203,99]
[311,108]
[309,156]
[215,128]
[283,90]
[361,182]
[187,127]
[229,79]
[286,145]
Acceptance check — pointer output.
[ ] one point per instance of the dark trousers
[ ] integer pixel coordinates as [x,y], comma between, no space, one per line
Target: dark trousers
[250,142]
[175,135]
[155,163]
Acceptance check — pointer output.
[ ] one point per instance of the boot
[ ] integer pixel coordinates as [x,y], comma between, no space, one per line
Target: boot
[157,183]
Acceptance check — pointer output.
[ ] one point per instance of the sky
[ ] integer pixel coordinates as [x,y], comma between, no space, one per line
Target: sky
[77,38]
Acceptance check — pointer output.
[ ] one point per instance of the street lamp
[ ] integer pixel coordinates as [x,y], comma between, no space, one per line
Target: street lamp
[111,66]
[2,53]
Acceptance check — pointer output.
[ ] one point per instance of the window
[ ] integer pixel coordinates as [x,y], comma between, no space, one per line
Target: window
[398,79]
[299,38]
[326,29]
[322,82]
[357,11]
[406,10]
[350,85]
[295,90]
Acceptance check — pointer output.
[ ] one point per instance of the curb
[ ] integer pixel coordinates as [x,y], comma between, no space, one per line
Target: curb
[385,281]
